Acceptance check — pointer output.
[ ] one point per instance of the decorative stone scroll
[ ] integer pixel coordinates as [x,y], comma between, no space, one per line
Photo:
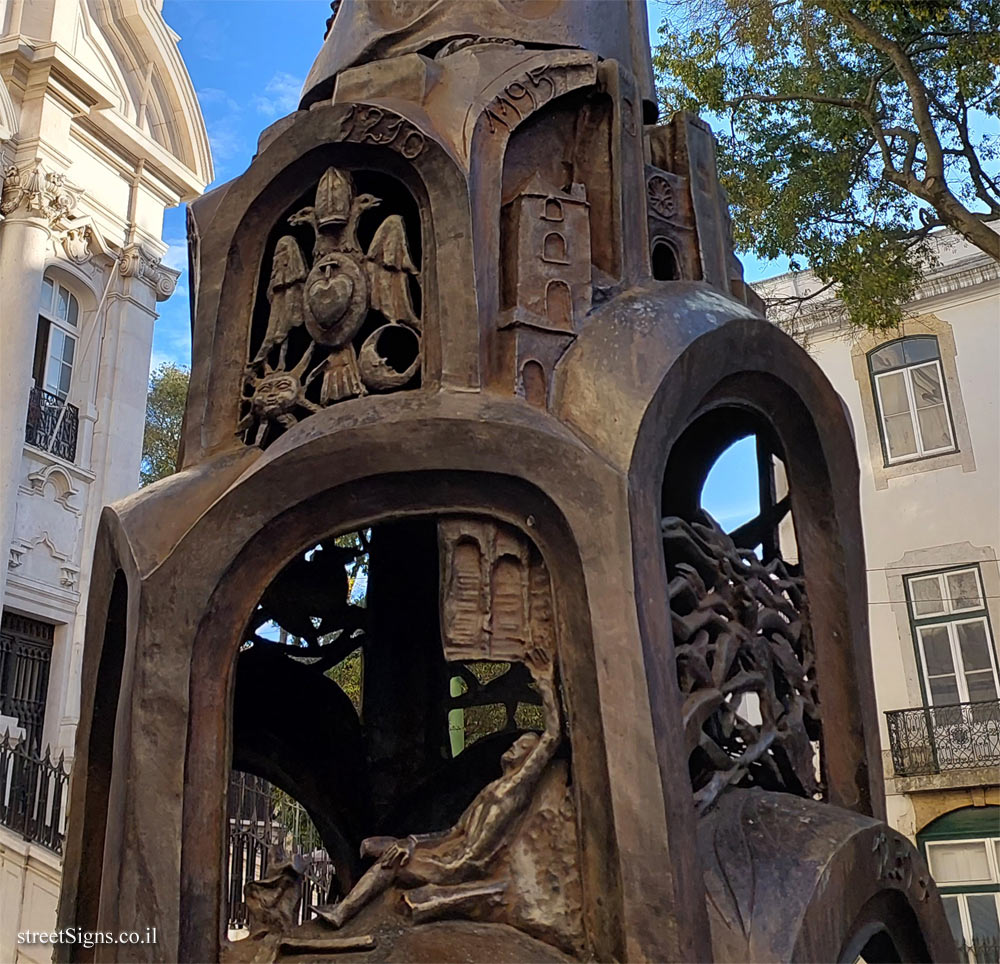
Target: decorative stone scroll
[137,262]
[355,304]
[741,635]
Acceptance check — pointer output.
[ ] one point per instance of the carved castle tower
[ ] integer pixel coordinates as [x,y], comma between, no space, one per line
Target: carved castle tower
[471,324]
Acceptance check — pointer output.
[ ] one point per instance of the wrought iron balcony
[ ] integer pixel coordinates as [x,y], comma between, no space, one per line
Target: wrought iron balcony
[52,424]
[929,739]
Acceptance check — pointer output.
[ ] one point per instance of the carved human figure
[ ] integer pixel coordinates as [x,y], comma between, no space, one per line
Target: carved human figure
[437,862]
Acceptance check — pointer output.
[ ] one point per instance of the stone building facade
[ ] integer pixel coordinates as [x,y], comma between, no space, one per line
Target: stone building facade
[100,131]
[926,411]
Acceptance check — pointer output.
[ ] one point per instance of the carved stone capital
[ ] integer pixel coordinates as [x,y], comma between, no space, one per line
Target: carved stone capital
[138,263]
[32,191]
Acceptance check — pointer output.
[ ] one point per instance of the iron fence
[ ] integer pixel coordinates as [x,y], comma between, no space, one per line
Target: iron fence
[958,736]
[52,424]
[262,817]
[33,794]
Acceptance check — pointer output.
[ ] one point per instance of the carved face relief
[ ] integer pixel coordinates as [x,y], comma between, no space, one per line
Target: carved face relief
[517,754]
[276,394]
[353,296]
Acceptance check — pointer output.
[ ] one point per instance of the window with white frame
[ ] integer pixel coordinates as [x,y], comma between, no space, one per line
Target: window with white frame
[55,340]
[968,873]
[954,641]
[910,395]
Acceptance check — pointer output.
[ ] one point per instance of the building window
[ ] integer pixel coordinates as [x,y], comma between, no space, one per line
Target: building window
[968,873]
[55,340]
[52,423]
[913,412]
[955,647]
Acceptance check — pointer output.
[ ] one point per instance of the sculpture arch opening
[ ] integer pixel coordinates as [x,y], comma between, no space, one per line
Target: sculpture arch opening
[392,637]
[745,654]
[98,863]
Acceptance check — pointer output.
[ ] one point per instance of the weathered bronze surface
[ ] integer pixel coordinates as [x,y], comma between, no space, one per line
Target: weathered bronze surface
[472,320]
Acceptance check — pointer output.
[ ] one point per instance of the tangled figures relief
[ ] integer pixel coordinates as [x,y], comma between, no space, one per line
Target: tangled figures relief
[340,323]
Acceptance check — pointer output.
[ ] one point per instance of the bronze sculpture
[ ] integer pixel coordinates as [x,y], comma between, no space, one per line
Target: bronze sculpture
[472,319]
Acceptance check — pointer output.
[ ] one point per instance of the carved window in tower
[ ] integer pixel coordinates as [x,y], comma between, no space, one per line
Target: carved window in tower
[338,308]
[554,249]
[553,209]
[559,304]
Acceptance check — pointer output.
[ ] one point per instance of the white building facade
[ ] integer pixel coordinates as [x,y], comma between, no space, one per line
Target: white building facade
[925,404]
[100,131]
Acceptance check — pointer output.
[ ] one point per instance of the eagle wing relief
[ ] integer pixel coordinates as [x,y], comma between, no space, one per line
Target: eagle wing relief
[361,332]
[390,268]
[391,355]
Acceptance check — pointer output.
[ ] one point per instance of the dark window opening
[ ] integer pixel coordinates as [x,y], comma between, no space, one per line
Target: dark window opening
[25,657]
[664,261]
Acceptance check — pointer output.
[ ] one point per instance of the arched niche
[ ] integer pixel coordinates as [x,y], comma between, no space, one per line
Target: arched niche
[338,301]
[716,391]
[239,218]
[370,503]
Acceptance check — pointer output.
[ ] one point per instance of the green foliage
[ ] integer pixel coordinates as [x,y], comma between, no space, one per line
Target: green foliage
[301,835]
[849,131]
[161,438]
[490,718]
[348,675]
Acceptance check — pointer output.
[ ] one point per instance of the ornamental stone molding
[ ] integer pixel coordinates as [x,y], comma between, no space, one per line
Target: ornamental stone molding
[137,262]
[76,244]
[31,191]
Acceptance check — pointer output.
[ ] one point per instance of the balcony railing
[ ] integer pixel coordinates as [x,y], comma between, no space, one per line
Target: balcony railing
[958,736]
[983,950]
[52,424]
[33,794]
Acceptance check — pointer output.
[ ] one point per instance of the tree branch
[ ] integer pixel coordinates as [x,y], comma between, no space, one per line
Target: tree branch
[850,104]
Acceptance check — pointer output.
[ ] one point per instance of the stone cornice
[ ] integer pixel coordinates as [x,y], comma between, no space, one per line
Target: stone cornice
[829,313]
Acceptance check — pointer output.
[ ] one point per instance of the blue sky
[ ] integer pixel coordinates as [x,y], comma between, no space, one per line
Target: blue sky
[248,60]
